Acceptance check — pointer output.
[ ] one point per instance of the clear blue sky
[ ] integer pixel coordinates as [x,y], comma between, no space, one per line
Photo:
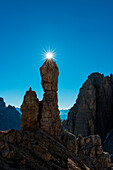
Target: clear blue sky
[80,31]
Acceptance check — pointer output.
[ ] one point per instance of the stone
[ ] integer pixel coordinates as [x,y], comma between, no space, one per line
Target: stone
[50,119]
[99,150]
[70,141]
[1,145]
[92,152]
[5,151]
[93,111]
[87,140]
[82,142]
[30,111]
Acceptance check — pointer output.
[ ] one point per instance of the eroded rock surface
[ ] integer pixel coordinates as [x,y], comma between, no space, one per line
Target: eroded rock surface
[87,149]
[50,119]
[30,111]
[33,150]
[93,111]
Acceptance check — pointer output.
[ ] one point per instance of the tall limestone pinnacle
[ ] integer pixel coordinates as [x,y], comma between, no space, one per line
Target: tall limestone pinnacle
[44,114]
[50,119]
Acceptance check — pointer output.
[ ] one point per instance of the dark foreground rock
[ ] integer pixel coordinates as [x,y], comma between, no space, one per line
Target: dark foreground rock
[93,111]
[9,117]
[36,151]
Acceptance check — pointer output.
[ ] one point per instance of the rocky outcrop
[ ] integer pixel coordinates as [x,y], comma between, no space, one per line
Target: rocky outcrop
[30,111]
[50,119]
[88,149]
[9,117]
[32,150]
[93,111]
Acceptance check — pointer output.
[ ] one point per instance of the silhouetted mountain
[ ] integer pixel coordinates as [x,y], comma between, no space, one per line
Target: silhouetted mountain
[9,117]
[93,111]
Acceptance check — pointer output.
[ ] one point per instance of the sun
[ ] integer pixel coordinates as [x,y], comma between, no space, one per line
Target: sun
[49,54]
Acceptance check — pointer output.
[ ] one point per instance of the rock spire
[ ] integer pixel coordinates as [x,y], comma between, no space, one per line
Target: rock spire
[44,114]
[50,119]
[30,111]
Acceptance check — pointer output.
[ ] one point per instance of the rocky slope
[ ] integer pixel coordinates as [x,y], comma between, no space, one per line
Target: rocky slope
[35,150]
[93,111]
[9,117]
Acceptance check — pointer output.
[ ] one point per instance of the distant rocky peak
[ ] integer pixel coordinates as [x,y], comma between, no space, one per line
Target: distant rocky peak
[2,103]
[93,111]
[95,74]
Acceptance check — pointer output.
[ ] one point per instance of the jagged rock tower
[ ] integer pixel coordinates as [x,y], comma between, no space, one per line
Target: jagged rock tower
[50,119]
[44,114]
[30,111]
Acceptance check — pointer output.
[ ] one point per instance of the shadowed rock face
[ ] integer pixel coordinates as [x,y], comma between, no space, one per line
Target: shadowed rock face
[30,111]
[2,103]
[50,119]
[9,117]
[93,111]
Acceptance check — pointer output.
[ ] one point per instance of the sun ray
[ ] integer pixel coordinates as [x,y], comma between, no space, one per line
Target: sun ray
[49,54]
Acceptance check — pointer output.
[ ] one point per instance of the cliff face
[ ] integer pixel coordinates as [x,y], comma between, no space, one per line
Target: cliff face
[93,111]
[9,117]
